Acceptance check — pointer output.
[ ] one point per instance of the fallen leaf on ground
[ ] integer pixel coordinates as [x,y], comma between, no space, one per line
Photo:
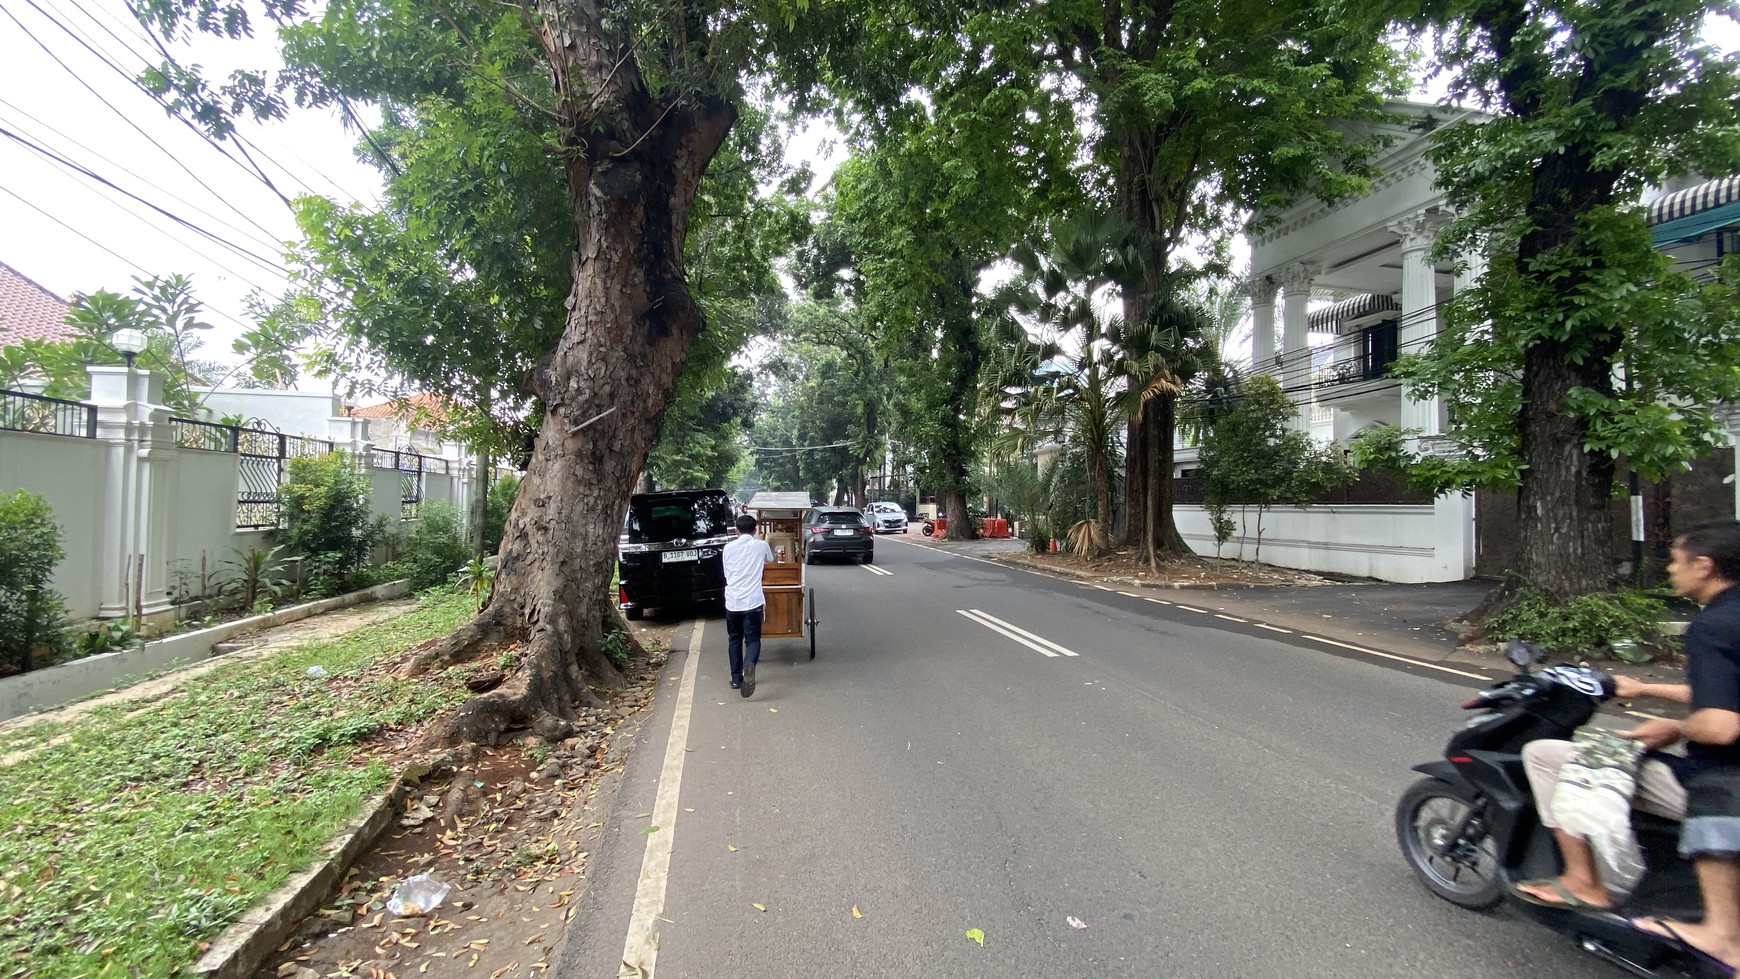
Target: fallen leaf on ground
[856,913]
[758,907]
[1075,922]
[977,936]
[650,830]
[731,848]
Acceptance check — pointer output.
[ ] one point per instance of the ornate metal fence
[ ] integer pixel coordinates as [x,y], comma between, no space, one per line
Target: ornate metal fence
[411,466]
[261,455]
[21,412]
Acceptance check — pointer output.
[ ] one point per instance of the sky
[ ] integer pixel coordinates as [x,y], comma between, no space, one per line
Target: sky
[76,100]
[66,91]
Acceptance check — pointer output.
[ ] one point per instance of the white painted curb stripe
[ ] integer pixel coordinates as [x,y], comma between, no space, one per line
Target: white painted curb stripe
[975,615]
[1023,632]
[641,948]
[1399,659]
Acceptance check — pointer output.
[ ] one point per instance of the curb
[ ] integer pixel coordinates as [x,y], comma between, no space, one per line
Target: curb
[1018,560]
[64,683]
[244,946]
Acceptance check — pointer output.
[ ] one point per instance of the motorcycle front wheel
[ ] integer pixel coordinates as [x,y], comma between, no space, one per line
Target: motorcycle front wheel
[1466,873]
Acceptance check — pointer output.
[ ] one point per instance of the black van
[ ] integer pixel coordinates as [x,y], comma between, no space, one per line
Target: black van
[669,551]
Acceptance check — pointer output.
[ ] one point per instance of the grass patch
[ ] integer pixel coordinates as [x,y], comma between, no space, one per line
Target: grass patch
[147,832]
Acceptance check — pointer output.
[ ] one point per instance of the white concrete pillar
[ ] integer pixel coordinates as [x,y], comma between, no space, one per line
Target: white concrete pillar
[1262,293]
[1295,373]
[1419,322]
[139,515]
[1729,416]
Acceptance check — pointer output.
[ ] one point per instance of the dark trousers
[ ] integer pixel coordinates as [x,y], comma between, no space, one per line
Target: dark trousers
[743,632]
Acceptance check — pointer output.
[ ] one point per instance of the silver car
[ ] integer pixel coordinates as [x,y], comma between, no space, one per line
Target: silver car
[887,518]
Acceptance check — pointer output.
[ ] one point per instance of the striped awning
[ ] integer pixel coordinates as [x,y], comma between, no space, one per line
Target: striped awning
[1686,214]
[1330,318]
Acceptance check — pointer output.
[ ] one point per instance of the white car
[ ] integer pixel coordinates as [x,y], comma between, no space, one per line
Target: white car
[887,518]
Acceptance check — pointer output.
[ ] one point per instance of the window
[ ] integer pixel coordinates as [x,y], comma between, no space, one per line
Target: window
[1377,350]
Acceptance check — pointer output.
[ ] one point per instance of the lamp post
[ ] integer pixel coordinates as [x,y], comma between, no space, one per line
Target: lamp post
[129,342]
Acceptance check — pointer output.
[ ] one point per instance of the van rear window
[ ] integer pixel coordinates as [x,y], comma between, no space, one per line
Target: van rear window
[664,517]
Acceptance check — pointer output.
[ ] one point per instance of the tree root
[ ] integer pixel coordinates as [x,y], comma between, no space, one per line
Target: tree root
[1472,625]
[462,645]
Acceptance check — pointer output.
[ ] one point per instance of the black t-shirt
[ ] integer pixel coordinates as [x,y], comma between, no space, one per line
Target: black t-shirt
[1713,670]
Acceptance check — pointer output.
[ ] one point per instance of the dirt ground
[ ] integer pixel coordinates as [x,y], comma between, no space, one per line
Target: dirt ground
[1123,565]
[511,833]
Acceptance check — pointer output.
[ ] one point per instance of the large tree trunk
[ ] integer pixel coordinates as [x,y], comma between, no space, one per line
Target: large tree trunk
[1564,521]
[1135,484]
[1161,539]
[604,386]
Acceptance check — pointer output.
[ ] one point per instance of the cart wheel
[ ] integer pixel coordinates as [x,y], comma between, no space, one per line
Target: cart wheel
[811,621]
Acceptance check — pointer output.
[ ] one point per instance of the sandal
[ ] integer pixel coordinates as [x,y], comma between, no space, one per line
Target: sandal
[1658,928]
[1567,900]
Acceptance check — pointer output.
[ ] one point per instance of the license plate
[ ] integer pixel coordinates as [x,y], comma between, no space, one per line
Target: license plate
[689,555]
[843,532]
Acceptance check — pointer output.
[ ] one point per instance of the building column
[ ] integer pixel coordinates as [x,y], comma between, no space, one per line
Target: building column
[1729,417]
[139,500]
[1419,313]
[1295,372]
[1262,294]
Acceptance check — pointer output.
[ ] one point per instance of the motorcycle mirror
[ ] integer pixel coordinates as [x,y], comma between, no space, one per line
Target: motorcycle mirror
[1519,652]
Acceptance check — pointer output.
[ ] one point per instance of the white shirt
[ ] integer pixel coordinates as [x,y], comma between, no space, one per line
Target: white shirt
[743,556]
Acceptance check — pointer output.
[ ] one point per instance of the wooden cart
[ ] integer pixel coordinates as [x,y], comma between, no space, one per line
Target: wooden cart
[790,612]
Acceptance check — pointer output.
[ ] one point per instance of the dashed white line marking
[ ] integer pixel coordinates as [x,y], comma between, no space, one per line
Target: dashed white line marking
[1399,659]
[641,947]
[975,616]
[1103,588]
[1192,608]
[1127,594]
[1274,628]
[1159,601]
[873,569]
[1230,618]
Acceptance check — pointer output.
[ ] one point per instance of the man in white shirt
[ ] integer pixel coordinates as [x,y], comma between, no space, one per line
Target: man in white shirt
[744,556]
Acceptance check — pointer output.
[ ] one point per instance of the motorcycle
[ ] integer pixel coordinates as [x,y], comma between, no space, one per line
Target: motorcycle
[929,527]
[1470,830]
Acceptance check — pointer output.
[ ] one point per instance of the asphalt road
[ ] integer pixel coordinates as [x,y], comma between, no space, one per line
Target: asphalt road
[1207,797]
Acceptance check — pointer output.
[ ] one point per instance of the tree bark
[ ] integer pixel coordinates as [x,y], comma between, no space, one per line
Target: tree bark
[1161,539]
[1135,484]
[604,386]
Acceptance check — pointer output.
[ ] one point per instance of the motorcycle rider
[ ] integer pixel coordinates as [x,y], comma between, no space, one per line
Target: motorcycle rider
[1702,788]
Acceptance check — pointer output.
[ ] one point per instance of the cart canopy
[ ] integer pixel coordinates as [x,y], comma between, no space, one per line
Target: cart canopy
[779,506]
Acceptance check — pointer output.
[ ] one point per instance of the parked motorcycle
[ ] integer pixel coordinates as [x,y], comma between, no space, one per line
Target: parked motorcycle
[929,527]
[1470,830]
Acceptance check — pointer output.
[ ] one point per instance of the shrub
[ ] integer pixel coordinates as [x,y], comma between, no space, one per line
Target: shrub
[1582,625]
[327,519]
[434,547]
[501,500]
[32,615]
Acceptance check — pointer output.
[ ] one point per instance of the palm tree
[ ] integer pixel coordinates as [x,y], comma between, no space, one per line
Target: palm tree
[1067,379]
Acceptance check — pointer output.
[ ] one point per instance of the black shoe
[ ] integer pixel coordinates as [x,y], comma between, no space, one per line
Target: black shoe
[748,680]
[736,683]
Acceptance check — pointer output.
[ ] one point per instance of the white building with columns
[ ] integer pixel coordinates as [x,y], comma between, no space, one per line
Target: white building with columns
[1377,293]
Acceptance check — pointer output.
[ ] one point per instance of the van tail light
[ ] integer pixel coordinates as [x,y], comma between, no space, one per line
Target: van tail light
[621,595]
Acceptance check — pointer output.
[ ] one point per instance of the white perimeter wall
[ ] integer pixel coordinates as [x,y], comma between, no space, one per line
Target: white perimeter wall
[1387,542]
[71,474]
